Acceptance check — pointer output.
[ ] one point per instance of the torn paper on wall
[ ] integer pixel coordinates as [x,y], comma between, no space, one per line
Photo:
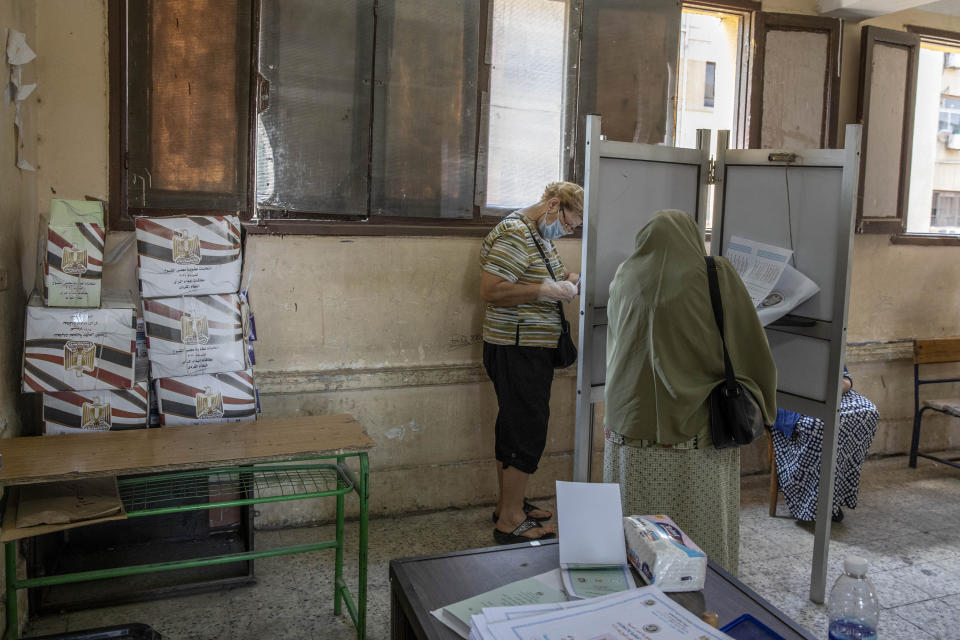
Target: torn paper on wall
[19,53]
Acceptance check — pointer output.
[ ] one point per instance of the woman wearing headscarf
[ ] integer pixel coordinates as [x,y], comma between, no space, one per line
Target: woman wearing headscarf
[664,357]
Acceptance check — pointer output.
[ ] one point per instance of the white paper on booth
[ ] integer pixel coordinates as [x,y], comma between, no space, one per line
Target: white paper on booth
[589,522]
[641,613]
[758,264]
[792,289]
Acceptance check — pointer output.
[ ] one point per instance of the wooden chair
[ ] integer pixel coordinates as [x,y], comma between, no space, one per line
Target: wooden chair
[932,351]
[774,480]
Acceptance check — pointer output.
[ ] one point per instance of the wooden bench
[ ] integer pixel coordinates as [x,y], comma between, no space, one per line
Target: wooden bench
[933,351]
[205,467]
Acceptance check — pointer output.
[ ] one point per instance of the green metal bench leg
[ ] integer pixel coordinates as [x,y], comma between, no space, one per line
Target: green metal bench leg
[338,562]
[364,491]
[10,573]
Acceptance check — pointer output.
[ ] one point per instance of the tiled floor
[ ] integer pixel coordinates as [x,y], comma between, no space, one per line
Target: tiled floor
[907,526]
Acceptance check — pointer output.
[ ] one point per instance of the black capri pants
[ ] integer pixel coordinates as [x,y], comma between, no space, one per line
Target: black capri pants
[522,377]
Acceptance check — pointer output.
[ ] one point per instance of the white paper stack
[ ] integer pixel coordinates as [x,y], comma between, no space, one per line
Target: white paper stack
[641,613]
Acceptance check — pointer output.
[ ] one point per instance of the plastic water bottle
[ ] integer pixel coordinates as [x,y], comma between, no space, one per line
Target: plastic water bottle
[854,608]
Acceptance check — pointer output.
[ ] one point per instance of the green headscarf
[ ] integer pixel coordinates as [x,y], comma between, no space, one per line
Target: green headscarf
[664,354]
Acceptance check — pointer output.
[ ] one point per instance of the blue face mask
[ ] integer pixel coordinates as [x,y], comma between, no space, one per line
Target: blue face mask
[551,231]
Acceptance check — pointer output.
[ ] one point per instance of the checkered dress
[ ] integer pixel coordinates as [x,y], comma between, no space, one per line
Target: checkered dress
[798,457]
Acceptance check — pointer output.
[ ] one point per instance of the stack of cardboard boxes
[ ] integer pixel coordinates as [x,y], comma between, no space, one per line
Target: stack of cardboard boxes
[79,345]
[196,322]
[91,358]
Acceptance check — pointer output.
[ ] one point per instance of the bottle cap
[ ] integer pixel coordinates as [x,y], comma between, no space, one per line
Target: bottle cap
[855,566]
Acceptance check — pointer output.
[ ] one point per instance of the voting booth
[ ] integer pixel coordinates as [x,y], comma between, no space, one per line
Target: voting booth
[801,199]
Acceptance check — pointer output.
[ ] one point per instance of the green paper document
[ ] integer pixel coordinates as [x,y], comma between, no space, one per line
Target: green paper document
[592,583]
[543,589]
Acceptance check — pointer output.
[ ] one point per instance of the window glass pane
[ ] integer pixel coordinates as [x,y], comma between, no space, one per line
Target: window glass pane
[425,108]
[935,160]
[629,68]
[313,138]
[526,100]
[188,117]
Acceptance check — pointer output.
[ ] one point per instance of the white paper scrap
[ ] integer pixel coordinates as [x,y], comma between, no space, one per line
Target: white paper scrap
[18,51]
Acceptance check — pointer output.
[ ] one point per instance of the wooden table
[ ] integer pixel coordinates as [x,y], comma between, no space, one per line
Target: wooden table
[201,468]
[419,585]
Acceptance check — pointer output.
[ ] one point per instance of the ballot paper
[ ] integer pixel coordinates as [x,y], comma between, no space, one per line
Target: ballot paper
[792,289]
[640,614]
[759,265]
[590,527]
[540,589]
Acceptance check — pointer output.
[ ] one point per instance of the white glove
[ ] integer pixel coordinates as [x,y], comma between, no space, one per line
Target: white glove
[563,291]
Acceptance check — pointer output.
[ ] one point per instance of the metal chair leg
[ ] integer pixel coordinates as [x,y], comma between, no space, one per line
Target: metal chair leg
[915,440]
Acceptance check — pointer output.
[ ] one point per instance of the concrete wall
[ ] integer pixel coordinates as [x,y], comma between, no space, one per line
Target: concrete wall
[18,224]
[388,328]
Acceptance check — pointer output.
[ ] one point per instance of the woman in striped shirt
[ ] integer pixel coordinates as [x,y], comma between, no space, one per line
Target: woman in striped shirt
[521,327]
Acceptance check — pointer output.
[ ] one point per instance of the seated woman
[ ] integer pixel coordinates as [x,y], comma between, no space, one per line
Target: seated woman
[797,443]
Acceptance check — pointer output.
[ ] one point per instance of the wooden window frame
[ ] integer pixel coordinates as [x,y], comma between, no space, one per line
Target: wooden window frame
[831,82]
[948,38]
[748,10]
[870,35]
[120,214]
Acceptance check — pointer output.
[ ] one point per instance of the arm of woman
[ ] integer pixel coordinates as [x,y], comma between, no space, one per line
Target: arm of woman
[503,293]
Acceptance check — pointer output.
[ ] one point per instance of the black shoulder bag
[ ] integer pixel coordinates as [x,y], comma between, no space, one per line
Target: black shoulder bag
[566,353]
[735,416]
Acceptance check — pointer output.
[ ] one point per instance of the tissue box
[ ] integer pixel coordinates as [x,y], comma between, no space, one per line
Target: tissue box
[79,349]
[73,261]
[194,335]
[90,411]
[663,555]
[218,397]
[188,256]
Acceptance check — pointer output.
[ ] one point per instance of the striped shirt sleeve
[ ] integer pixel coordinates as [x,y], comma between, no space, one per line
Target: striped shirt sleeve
[507,257]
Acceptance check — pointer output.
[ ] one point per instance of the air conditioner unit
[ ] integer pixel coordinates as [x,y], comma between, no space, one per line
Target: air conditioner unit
[954,141]
[953,60]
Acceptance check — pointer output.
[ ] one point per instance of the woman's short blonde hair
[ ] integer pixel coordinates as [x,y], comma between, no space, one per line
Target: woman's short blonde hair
[569,194]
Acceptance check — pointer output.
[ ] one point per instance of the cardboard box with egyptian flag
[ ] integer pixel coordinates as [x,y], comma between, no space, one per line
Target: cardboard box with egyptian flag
[195,335]
[79,349]
[73,261]
[91,411]
[188,255]
[218,397]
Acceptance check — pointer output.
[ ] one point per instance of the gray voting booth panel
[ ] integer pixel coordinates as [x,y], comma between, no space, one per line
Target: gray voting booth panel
[626,184]
[804,200]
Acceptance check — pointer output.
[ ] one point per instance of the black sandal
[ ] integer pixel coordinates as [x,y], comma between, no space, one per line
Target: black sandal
[527,508]
[514,537]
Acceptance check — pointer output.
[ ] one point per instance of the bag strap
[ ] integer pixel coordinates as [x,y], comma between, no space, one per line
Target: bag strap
[717,302]
[563,318]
